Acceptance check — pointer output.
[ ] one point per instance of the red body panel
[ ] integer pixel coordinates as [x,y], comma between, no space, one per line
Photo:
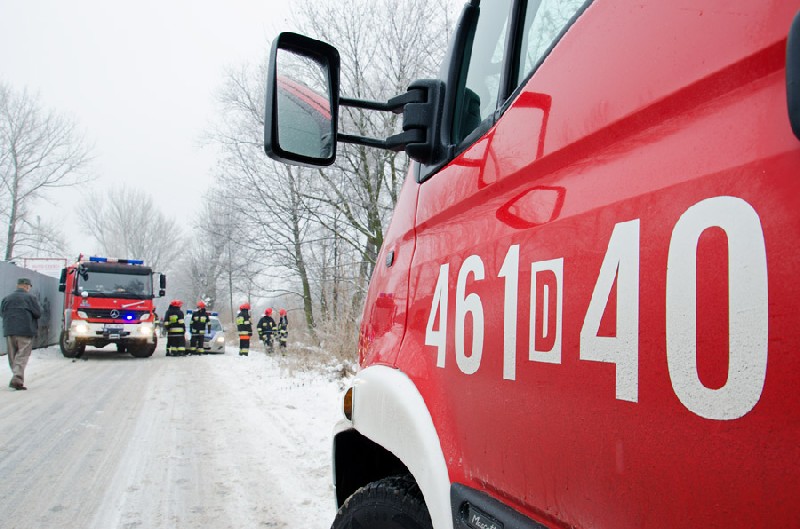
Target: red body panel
[74,303]
[648,123]
[385,316]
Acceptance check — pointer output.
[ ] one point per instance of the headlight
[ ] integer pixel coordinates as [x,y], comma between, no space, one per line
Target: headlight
[220,339]
[146,329]
[79,327]
[83,315]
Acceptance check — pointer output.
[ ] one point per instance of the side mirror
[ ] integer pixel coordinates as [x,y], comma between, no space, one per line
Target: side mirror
[302,101]
[62,282]
[162,285]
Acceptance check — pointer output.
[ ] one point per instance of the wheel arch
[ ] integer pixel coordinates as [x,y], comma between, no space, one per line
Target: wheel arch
[358,461]
[391,433]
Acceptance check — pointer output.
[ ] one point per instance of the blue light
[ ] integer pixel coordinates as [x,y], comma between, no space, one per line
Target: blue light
[135,261]
[128,317]
[98,259]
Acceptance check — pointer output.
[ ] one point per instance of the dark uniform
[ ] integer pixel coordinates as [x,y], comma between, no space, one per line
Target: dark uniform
[201,324]
[266,327]
[21,313]
[175,327]
[245,329]
[283,329]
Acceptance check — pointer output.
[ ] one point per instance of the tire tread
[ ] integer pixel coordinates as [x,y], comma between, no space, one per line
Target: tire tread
[399,494]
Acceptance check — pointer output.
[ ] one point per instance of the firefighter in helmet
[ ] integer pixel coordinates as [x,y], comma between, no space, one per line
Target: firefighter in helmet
[265,327]
[245,329]
[201,324]
[283,328]
[175,327]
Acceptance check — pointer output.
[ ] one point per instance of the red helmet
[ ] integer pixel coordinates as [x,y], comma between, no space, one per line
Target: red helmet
[175,303]
[268,312]
[244,306]
[283,312]
[201,304]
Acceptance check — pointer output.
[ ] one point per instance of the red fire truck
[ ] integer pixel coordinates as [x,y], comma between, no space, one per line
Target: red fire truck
[585,311]
[109,301]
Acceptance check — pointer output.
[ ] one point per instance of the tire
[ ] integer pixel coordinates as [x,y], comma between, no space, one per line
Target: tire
[391,503]
[152,347]
[66,350]
[142,350]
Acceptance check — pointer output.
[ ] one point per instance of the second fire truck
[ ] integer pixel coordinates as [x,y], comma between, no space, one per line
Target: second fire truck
[109,301]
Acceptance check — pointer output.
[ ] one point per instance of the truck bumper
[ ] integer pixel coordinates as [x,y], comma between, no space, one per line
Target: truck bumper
[102,334]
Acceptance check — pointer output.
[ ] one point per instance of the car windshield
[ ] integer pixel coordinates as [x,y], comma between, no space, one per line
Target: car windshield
[104,284]
[216,325]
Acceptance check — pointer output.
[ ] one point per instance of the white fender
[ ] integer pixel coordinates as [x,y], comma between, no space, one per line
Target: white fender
[389,410]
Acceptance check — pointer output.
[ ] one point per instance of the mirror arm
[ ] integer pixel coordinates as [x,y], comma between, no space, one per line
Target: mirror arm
[363,103]
[399,142]
[396,143]
[362,140]
[395,104]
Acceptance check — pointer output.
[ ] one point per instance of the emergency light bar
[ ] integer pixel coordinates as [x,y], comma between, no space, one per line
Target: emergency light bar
[95,259]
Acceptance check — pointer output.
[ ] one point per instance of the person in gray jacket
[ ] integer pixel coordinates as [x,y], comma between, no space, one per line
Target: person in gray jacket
[20,312]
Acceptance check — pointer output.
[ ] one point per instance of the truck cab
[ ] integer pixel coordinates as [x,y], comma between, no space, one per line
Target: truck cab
[584,313]
[109,301]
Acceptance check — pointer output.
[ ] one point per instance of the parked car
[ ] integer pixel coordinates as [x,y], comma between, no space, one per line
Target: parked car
[214,341]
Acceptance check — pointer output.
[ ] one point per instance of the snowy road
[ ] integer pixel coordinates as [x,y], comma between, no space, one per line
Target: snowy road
[207,442]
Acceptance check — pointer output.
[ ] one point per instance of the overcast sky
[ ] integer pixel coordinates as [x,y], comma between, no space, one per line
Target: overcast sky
[140,79]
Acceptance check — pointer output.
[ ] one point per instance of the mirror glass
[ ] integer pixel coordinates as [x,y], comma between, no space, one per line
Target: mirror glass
[303,113]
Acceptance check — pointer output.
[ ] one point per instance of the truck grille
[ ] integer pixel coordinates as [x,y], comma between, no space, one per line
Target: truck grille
[130,315]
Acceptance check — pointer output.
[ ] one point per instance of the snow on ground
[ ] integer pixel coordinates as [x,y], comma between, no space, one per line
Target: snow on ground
[214,441]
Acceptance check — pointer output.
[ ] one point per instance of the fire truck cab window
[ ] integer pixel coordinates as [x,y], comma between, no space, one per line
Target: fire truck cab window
[483,60]
[100,283]
[545,23]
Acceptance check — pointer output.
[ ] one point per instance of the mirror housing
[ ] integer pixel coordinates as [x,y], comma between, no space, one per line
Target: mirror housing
[300,121]
[301,109]
[162,285]
[62,282]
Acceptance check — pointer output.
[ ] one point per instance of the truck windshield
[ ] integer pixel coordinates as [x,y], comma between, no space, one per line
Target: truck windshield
[104,284]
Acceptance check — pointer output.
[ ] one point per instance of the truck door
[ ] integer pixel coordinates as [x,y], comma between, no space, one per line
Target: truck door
[603,302]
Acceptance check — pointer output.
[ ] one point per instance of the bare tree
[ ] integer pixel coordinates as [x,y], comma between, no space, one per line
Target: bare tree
[126,223]
[318,232]
[39,150]
[219,265]
[40,237]
[385,45]
[272,217]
